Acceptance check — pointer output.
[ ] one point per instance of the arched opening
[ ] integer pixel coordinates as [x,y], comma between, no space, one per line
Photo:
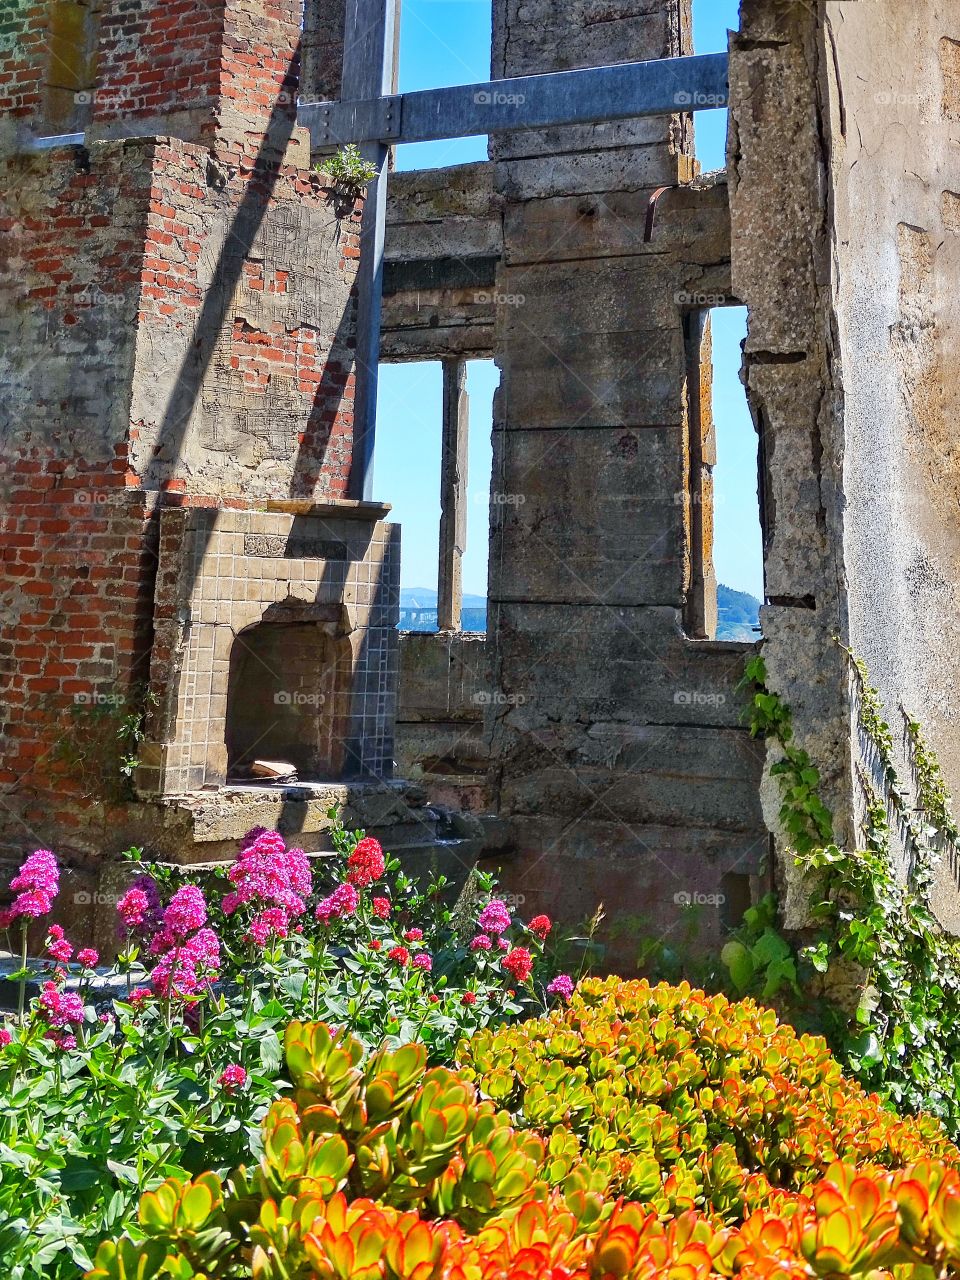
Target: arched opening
[288,703]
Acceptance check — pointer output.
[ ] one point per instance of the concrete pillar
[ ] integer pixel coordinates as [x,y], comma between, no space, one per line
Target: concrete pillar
[453,494]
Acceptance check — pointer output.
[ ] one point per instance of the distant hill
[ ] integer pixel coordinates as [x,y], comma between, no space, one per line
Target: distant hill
[738,614]
[426,598]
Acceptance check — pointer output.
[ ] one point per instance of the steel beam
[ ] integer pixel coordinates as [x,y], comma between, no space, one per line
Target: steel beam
[591,95]
[369,72]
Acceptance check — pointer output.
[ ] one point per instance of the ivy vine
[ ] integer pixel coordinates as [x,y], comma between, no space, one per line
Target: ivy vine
[872,932]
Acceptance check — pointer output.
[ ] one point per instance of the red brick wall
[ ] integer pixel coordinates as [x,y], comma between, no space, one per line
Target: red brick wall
[23,57]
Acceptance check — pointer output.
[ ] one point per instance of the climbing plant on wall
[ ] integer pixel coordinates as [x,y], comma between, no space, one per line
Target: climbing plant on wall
[874,971]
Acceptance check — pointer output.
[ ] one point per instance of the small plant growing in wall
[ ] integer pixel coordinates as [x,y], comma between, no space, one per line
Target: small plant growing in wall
[349,170]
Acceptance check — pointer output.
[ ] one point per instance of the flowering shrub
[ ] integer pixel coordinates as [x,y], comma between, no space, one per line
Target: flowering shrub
[687,1100]
[100,1102]
[385,1170]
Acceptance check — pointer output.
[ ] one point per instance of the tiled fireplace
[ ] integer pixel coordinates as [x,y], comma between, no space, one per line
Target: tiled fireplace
[275,639]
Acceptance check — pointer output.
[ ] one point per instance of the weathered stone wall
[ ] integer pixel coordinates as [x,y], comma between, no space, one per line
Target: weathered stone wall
[444,695]
[619,759]
[443,245]
[780,268]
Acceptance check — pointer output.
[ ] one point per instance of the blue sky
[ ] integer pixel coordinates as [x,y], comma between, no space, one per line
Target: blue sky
[447,42]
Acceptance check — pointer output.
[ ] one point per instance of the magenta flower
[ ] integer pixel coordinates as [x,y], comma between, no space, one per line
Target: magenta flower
[233,1078]
[494,918]
[342,902]
[186,913]
[139,996]
[62,1040]
[133,908]
[39,871]
[267,874]
[88,958]
[174,975]
[413,935]
[58,946]
[7,918]
[422,961]
[36,885]
[480,943]
[561,986]
[5,1037]
[32,903]
[60,1007]
[204,950]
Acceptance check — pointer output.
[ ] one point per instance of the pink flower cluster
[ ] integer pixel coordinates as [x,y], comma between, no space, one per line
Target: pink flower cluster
[188,951]
[36,885]
[561,986]
[58,946]
[494,918]
[342,902]
[232,1078]
[272,880]
[60,1008]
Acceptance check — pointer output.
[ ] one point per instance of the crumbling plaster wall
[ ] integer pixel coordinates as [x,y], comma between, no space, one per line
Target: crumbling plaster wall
[891,76]
[843,168]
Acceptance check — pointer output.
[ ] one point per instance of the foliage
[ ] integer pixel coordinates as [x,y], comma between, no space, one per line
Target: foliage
[873,930]
[100,740]
[101,1101]
[686,1100]
[380,1170]
[348,169]
[805,818]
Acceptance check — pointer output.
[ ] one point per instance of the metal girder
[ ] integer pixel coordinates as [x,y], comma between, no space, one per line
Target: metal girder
[621,92]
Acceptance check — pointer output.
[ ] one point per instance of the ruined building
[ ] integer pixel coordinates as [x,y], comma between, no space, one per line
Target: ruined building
[185,532]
